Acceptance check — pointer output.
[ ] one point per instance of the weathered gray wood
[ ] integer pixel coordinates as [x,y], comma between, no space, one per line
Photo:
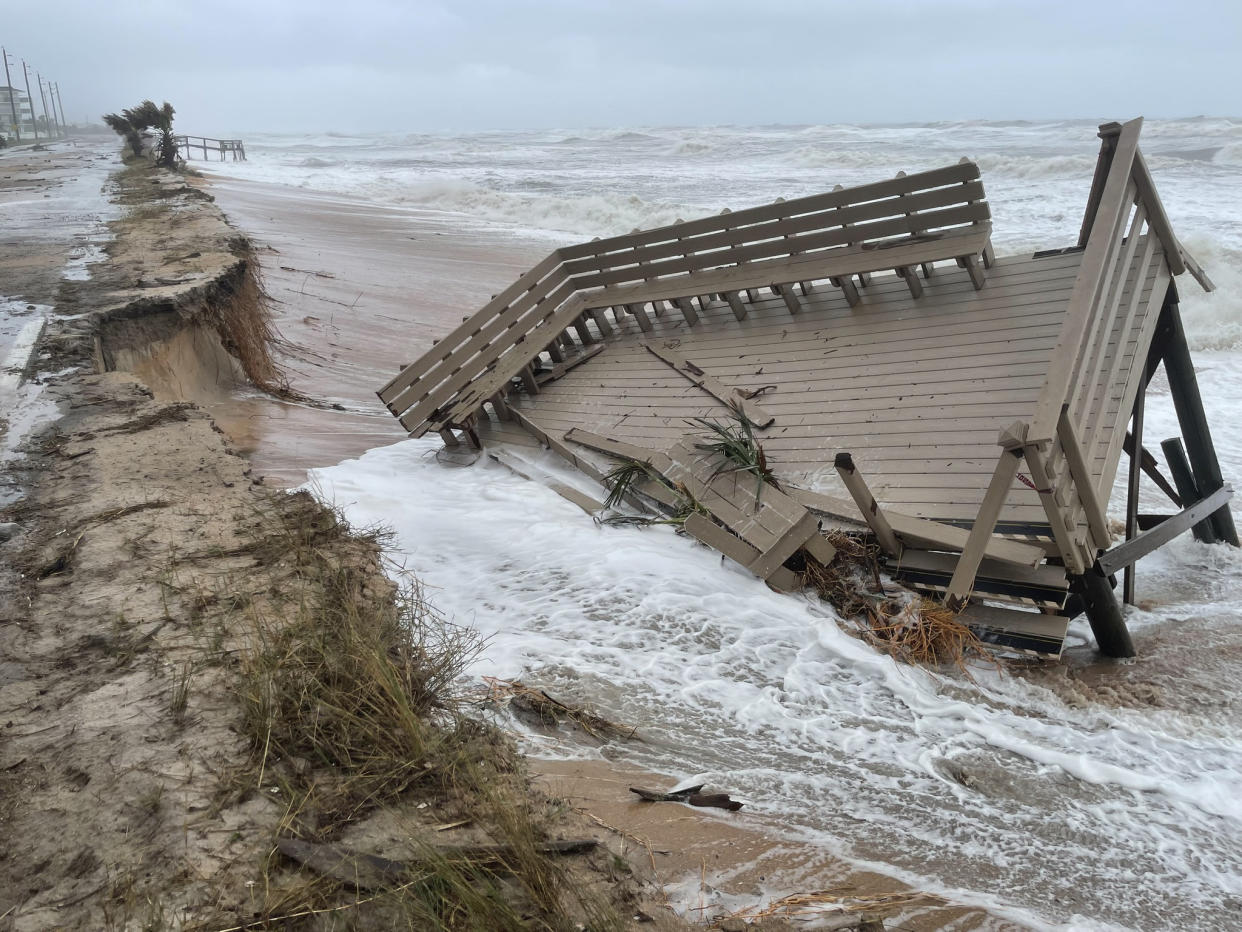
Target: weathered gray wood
[1084,482]
[687,309]
[1132,490]
[940,177]
[551,375]
[1179,467]
[981,533]
[1026,631]
[713,386]
[736,549]
[1152,469]
[1110,217]
[736,305]
[918,532]
[867,505]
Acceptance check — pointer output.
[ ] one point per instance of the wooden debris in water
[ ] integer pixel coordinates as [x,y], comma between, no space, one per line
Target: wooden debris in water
[693,795]
[918,631]
[529,699]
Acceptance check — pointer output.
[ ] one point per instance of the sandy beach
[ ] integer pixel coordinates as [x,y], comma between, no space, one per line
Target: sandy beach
[357,291]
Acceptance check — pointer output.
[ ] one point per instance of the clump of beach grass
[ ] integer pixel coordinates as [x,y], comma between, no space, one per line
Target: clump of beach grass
[352,712]
[734,442]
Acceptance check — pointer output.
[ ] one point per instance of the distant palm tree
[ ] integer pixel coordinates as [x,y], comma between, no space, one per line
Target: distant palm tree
[124,128]
[147,115]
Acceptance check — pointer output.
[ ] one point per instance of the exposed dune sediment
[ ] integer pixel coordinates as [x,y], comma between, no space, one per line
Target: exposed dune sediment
[154,597]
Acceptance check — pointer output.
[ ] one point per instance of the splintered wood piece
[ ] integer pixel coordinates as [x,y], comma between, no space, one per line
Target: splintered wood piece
[710,384]
[867,504]
[692,795]
[673,796]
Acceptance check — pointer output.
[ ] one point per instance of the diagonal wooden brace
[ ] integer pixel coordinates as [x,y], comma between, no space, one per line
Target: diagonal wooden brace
[867,504]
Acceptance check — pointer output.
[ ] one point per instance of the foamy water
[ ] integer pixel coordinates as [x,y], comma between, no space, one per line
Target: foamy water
[1107,801]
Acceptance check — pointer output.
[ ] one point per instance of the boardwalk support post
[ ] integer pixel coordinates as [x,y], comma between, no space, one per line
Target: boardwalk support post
[1103,613]
[1184,388]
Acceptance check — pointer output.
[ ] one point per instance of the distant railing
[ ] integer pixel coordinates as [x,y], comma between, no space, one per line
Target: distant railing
[207,144]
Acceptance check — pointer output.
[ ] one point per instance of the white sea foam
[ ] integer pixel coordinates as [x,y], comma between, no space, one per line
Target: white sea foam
[1040,801]
[950,786]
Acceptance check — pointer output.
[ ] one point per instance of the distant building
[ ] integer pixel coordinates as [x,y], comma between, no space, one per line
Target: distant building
[11,98]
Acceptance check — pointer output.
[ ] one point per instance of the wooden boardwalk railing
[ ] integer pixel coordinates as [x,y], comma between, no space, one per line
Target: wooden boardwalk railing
[578,295]
[1072,442]
[206,144]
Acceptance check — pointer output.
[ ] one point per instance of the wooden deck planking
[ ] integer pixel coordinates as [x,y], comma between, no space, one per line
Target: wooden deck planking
[938,445]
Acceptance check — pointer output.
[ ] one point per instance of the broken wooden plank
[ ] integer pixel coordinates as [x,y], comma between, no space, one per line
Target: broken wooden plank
[921,532]
[706,532]
[867,505]
[710,384]
[588,504]
[551,375]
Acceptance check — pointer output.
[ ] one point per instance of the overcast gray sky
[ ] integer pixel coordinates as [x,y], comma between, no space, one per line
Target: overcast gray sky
[233,66]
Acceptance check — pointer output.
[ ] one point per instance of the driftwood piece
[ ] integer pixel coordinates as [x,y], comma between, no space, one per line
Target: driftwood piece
[362,871]
[691,795]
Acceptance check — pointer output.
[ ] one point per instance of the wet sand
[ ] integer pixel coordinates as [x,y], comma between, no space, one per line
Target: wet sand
[358,291]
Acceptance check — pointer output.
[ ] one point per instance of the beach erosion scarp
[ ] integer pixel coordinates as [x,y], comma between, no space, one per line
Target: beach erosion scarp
[165,613]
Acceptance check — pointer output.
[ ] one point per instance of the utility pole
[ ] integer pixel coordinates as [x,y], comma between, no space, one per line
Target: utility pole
[34,123]
[49,123]
[17,124]
[64,125]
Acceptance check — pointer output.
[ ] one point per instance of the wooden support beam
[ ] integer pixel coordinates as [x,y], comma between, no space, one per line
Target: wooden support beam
[963,581]
[1133,475]
[551,375]
[449,438]
[640,315]
[920,532]
[867,504]
[975,270]
[735,304]
[789,297]
[528,379]
[848,289]
[1152,468]
[1084,486]
[736,549]
[583,331]
[911,279]
[499,406]
[1175,456]
[686,306]
[601,321]
[555,351]
[705,302]
[1103,613]
[1184,387]
[1124,556]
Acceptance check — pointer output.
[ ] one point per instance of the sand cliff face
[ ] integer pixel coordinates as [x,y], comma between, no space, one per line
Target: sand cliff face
[120,720]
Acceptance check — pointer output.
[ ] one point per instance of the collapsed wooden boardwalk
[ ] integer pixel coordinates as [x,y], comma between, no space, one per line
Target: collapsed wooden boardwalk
[971,411]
